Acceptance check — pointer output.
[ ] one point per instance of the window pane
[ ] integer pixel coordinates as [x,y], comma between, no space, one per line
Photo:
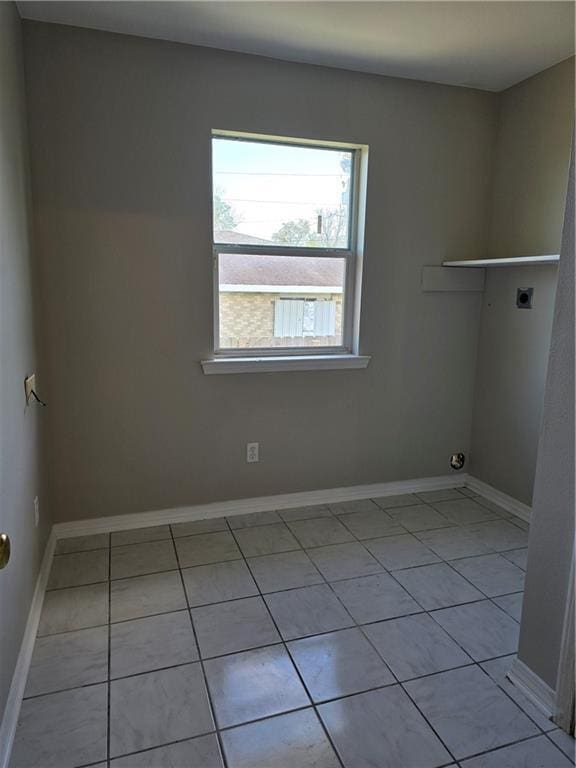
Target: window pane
[279,194]
[280,301]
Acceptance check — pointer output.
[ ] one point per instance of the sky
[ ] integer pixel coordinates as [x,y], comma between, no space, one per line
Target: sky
[269,184]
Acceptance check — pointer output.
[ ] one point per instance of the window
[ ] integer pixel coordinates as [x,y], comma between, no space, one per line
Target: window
[285,251]
[297,318]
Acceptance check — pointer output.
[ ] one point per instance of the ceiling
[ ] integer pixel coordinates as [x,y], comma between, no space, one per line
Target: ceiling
[489,45]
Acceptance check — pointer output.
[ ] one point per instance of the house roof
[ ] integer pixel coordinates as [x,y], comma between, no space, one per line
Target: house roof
[253,270]
[248,269]
[239,238]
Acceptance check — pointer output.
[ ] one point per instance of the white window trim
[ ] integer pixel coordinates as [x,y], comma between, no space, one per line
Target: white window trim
[273,359]
[299,289]
[274,364]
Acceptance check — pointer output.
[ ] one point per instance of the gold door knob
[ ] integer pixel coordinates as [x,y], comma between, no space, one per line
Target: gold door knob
[4,550]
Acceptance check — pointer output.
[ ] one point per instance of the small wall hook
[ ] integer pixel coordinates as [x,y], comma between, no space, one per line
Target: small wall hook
[35,396]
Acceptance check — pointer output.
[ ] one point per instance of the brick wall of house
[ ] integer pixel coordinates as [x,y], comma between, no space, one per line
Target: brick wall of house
[247,320]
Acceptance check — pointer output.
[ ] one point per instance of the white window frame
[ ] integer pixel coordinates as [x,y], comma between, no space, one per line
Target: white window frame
[340,355]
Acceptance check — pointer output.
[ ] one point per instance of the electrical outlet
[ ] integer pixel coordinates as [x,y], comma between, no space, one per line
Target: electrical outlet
[36,511]
[252,453]
[524,297]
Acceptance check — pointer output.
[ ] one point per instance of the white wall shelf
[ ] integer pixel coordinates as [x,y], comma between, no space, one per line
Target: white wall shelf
[517,261]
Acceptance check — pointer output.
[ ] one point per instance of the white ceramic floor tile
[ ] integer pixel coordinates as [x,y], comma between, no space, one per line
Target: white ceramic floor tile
[498,669]
[338,664]
[201,752]
[265,540]
[254,684]
[491,574]
[78,569]
[371,524]
[286,741]
[344,561]
[493,507]
[319,532]
[212,525]
[138,535]
[564,742]
[62,730]
[69,660]
[533,753]
[143,645]
[143,558]
[413,646]
[469,492]
[512,604]
[517,556]
[234,626]
[445,494]
[205,548]
[382,729]
[464,511]
[436,586]
[469,712]
[146,595]
[76,608]
[307,611]
[253,518]
[450,543]
[355,505]
[82,543]
[482,629]
[404,551]
[304,513]
[374,598]
[284,571]
[160,710]
[499,535]
[218,582]
[420,517]
[156,708]
[397,500]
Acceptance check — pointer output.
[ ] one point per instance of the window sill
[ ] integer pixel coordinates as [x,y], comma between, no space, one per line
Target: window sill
[286,363]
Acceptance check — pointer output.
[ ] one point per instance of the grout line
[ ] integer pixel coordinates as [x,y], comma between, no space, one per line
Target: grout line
[287,651]
[356,625]
[301,709]
[284,643]
[506,746]
[109,651]
[505,692]
[557,728]
[200,659]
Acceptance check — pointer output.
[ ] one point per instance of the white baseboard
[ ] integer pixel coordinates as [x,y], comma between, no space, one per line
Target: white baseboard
[16,692]
[533,687]
[509,503]
[257,504]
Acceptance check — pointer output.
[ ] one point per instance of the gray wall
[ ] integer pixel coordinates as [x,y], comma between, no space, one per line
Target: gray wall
[551,545]
[120,131]
[531,170]
[19,466]
[531,164]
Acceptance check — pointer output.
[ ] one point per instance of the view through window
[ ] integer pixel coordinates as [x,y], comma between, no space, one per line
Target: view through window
[283,225]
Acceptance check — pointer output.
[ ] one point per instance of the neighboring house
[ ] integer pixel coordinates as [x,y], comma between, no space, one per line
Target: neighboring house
[278,301]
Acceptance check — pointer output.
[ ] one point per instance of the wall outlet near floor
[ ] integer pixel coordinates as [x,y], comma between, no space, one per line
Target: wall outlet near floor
[252,453]
[36,511]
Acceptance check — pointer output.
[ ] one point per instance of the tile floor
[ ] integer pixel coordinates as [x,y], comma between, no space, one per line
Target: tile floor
[364,634]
